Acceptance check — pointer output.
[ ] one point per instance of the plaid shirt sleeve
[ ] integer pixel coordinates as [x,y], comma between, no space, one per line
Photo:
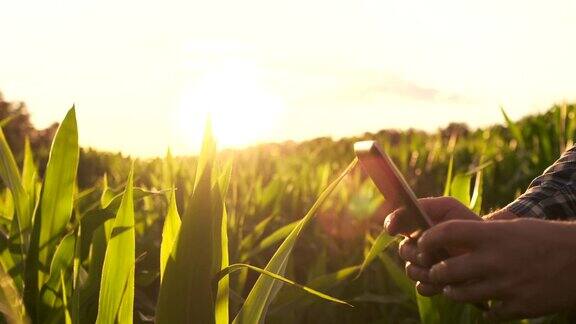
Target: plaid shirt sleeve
[551,195]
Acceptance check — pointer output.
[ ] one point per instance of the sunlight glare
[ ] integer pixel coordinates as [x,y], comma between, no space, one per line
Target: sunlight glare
[242,110]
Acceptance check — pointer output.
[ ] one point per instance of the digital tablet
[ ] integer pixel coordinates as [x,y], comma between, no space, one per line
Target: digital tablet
[390,183]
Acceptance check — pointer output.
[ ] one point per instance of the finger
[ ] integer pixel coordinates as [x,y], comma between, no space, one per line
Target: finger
[458,269]
[426,260]
[417,273]
[441,209]
[452,234]
[408,250]
[427,289]
[396,223]
[473,292]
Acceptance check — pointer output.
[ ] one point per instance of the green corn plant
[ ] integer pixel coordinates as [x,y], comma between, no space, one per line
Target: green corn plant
[186,294]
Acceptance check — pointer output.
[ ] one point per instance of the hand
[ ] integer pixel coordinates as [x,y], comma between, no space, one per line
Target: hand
[418,262]
[527,266]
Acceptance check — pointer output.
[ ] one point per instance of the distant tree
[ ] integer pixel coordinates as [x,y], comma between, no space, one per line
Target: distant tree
[17,123]
[455,129]
[17,127]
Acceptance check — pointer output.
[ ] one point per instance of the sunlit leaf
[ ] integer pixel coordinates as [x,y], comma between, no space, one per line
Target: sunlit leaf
[11,303]
[186,294]
[50,294]
[223,289]
[169,233]
[67,318]
[11,178]
[460,188]
[57,194]
[115,304]
[514,129]
[449,176]
[272,239]
[292,298]
[477,193]
[236,267]
[382,242]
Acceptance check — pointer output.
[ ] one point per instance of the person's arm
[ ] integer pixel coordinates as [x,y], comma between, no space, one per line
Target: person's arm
[551,195]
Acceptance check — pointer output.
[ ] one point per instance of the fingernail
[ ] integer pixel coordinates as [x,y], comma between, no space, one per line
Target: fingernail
[448,291]
[387,221]
[432,276]
[434,273]
[420,240]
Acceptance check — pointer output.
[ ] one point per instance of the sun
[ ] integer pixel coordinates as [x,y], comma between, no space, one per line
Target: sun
[243,111]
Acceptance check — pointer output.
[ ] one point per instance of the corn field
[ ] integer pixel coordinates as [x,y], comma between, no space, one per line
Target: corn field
[283,233]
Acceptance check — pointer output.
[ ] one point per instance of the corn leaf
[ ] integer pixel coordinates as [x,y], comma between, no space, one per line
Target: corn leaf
[460,188]
[276,236]
[50,295]
[11,303]
[186,294]
[11,178]
[169,233]
[293,299]
[256,233]
[449,176]
[57,196]
[264,290]
[514,129]
[477,193]
[398,276]
[271,275]
[382,242]
[223,293]
[67,318]
[29,175]
[7,120]
[115,304]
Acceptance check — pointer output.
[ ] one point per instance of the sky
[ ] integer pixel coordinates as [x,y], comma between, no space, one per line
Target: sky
[144,74]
